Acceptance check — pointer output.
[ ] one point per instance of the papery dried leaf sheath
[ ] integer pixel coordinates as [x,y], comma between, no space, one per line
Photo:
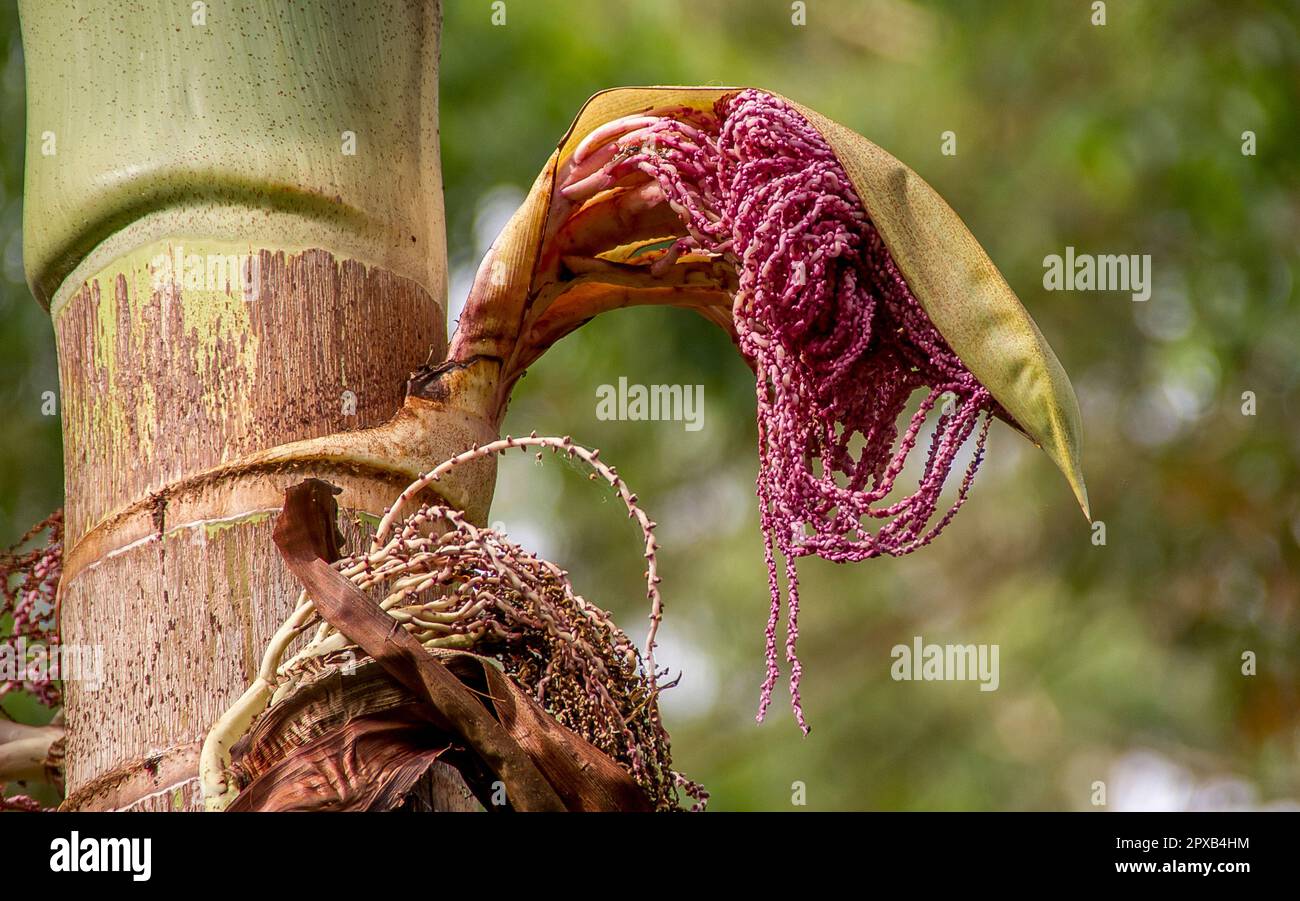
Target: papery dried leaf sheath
[543,765]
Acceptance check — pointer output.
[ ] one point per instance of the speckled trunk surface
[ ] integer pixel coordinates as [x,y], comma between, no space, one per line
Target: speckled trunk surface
[240,238]
[159,385]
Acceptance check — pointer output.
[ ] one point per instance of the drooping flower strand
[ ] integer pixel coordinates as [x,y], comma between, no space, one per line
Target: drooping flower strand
[838,341]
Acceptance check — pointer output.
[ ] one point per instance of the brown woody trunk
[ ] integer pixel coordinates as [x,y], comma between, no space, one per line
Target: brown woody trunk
[176,143]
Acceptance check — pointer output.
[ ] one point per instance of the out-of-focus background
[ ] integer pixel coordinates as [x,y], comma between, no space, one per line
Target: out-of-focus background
[1120,663]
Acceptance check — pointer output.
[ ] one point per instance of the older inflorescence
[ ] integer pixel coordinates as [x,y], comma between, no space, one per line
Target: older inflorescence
[837,339]
[29,582]
[455,585]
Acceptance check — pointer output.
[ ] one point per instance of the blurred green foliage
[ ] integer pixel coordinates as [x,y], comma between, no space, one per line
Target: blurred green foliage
[1120,663]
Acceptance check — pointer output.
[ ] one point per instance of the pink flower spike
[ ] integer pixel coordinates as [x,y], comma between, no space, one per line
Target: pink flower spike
[838,340]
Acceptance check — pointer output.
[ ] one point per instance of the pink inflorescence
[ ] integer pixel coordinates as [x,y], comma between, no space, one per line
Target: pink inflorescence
[29,582]
[837,339]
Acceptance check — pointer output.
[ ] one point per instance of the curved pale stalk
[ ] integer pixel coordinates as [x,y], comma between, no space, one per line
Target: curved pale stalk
[214,759]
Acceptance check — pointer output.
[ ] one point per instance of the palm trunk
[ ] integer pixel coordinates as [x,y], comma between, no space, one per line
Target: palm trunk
[234,213]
